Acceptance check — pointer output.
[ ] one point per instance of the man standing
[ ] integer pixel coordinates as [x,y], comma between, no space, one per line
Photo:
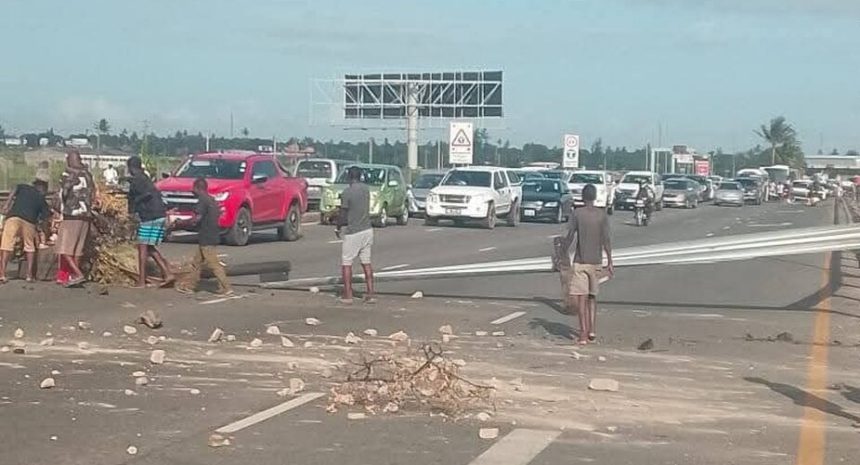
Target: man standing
[588,232]
[110,175]
[144,200]
[358,238]
[24,210]
[205,221]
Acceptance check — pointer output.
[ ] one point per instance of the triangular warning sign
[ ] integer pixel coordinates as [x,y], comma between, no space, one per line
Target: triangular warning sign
[461,140]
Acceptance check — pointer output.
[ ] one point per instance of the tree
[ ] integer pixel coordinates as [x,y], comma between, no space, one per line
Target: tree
[852,153]
[245,132]
[834,152]
[103,127]
[777,134]
[2,132]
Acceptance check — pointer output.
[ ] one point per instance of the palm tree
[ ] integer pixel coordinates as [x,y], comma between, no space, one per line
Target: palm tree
[777,134]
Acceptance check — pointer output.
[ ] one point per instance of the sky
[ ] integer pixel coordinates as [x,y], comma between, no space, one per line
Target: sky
[707,72]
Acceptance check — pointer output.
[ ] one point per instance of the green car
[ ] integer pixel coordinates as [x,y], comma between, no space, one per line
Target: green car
[387,194]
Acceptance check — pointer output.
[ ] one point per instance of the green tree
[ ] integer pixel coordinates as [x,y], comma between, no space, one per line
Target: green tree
[852,153]
[778,133]
[2,132]
[245,132]
[103,127]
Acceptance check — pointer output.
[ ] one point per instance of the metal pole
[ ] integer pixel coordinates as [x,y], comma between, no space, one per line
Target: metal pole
[370,151]
[439,154]
[412,128]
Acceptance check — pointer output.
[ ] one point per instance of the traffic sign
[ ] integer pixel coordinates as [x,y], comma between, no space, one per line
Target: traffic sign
[460,143]
[571,151]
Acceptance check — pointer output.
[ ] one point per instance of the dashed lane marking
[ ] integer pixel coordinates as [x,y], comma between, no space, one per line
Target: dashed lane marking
[433,229]
[335,242]
[519,447]
[223,299]
[395,267]
[269,413]
[486,249]
[507,318]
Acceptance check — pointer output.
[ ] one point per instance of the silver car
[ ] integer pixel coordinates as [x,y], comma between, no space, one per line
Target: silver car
[729,193]
[417,193]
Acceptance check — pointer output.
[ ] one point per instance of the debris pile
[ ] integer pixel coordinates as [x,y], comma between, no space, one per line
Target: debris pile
[408,379]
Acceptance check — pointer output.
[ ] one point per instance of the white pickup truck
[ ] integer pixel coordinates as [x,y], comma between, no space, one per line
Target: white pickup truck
[625,192]
[601,180]
[481,193]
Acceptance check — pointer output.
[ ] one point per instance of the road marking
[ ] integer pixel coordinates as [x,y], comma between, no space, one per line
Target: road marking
[183,233]
[269,413]
[773,225]
[433,229]
[311,223]
[507,318]
[486,249]
[810,447]
[710,234]
[395,267]
[519,447]
[553,236]
[223,299]
[336,242]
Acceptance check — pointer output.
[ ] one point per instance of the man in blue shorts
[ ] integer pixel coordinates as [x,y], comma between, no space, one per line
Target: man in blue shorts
[144,200]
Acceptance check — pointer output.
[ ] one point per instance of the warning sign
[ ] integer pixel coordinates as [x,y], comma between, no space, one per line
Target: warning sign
[570,158]
[460,143]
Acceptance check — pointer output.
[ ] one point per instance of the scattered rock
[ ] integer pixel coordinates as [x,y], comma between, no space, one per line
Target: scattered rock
[107,334]
[157,357]
[54,438]
[47,383]
[210,353]
[612,429]
[391,407]
[312,322]
[446,338]
[576,355]
[256,343]
[55,372]
[273,330]
[130,392]
[84,345]
[314,290]
[418,295]
[603,384]
[481,333]
[231,338]
[308,344]
[5,349]
[326,373]
[216,440]
[103,290]
[498,333]
[446,329]
[297,385]
[216,335]
[518,384]
[293,366]
[185,332]
[152,340]
[130,330]
[131,450]
[371,332]
[785,337]
[399,336]
[459,362]
[19,333]
[483,416]
[352,338]
[138,374]
[128,305]
[194,391]
[142,381]
[20,350]
[47,342]
[286,342]
[647,344]
[488,433]
[283,392]
[85,325]
[151,319]
[355,416]
[601,358]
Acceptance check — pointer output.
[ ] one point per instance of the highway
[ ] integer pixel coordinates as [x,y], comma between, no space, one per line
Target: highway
[718,386]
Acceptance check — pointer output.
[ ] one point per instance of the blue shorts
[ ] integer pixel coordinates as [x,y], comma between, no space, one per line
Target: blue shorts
[151,232]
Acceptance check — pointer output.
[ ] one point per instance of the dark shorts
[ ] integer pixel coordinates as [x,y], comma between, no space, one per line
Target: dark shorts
[151,232]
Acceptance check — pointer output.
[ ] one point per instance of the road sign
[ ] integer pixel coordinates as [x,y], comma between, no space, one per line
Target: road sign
[702,167]
[571,151]
[460,143]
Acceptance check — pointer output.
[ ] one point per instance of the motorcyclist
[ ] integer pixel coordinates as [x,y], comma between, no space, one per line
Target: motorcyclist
[646,193]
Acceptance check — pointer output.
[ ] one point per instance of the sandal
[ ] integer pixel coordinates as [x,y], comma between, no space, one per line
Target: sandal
[592,337]
[75,282]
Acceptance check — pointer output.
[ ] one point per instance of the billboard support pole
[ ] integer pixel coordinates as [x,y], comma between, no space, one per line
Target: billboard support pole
[412,128]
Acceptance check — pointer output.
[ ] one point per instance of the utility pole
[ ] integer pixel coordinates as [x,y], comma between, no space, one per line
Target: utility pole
[231,124]
[370,144]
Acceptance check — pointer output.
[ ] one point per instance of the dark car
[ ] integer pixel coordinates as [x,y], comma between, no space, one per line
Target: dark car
[547,199]
[753,190]
[681,192]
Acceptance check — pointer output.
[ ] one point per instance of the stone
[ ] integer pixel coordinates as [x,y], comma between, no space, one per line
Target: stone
[326,373]
[446,338]
[459,362]
[418,295]
[498,333]
[142,381]
[19,333]
[20,350]
[601,358]
[150,319]
[603,384]
[647,344]
[481,333]
[308,344]
[130,392]
[312,322]
[391,407]
[399,336]
[84,345]
[157,357]
[5,349]
[54,438]
[352,338]
[488,433]
[286,342]
[216,335]
[210,353]
[371,332]
[47,342]
[785,337]
[131,450]
[483,416]
[47,383]
[55,372]
[216,440]
[576,355]
[194,391]
[130,330]
[297,385]
[293,366]
[355,416]
[612,429]
[138,374]
[314,290]
[283,392]
[107,334]
[85,325]
[185,332]
[152,340]
[231,338]
[446,329]
[256,343]
[273,330]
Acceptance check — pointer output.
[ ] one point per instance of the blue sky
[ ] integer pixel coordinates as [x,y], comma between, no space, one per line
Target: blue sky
[709,71]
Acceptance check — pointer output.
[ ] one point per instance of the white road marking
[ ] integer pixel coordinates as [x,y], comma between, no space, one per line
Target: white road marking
[774,225]
[269,413]
[710,234]
[486,249]
[553,236]
[183,233]
[433,229]
[519,447]
[311,223]
[223,299]
[335,242]
[395,267]
[507,318]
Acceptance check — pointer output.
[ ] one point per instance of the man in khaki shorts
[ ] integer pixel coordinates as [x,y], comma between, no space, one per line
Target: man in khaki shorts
[358,237]
[24,210]
[588,231]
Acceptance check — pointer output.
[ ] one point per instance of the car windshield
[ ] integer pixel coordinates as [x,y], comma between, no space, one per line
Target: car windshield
[553,174]
[313,169]
[730,186]
[587,178]
[676,184]
[542,186]
[747,182]
[428,181]
[370,176]
[212,168]
[468,178]
[636,179]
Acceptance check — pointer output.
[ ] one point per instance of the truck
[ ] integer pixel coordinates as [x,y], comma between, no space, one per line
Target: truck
[253,190]
[628,188]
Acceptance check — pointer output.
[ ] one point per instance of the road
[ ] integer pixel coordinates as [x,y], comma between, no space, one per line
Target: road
[714,389]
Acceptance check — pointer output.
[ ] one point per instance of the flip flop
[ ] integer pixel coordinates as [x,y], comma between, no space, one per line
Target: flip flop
[592,337]
[77,282]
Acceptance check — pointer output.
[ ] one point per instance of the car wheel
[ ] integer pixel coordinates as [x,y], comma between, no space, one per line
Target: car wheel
[292,228]
[430,221]
[403,218]
[514,215]
[559,217]
[383,217]
[490,221]
[695,204]
[240,233]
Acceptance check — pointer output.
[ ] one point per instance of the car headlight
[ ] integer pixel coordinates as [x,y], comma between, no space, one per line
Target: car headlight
[551,204]
[432,197]
[220,197]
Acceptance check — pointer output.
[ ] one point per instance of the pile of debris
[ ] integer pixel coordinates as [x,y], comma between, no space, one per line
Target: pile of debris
[416,380]
[111,254]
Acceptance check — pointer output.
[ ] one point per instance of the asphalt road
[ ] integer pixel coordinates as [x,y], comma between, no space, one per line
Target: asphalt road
[717,388]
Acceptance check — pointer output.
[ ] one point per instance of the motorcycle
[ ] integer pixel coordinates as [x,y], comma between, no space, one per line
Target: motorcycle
[639,214]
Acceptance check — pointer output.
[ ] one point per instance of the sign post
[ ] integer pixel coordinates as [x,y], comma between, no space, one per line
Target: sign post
[460,149]
[570,159]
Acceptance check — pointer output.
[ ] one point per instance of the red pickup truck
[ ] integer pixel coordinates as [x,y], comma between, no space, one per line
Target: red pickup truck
[253,190]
